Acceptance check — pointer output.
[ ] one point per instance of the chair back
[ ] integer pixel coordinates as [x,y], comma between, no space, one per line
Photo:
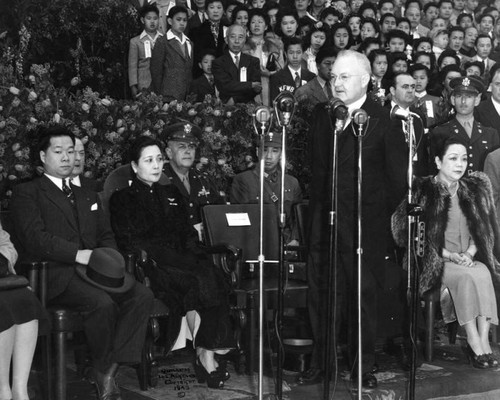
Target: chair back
[300,213]
[238,225]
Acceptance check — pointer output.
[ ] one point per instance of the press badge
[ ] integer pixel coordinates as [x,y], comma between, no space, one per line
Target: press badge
[243,74]
[430,108]
[147,48]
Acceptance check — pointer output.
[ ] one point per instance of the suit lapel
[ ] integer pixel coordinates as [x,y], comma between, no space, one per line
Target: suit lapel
[59,199]
[176,46]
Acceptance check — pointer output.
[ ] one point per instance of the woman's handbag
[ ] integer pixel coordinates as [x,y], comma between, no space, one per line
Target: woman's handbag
[9,280]
[13,282]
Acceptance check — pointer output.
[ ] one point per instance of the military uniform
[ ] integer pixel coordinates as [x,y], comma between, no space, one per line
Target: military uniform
[482,139]
[203,191]
[481,142]
[245,188]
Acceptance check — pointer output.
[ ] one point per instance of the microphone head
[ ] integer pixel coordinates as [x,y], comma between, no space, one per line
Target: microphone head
[285,101]
[398,113]
[262,114]
[338,108]
[359,116]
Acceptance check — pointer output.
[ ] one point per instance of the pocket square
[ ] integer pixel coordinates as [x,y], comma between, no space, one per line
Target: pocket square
[93,207]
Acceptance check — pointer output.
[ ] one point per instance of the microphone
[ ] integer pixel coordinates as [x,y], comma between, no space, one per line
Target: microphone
[399,113]
[284,106]
[337,109]
[359,117]
[261,115]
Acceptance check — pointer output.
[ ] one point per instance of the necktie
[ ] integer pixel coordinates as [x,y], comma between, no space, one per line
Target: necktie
[468,128]
[68,192]
[237,61]
[186,49]
[329,92]
[297,80]
[211,80]
[186,184]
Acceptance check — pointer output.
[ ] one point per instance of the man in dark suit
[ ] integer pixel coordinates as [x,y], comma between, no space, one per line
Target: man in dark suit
[77,178]
[479,139]
[294,75]
[319,89]
[350,75]
[403,96]
[488,111]
[196,188]
[237,75]
[63,224]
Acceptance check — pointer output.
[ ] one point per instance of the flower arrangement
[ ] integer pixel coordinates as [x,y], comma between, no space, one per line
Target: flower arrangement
[107,126]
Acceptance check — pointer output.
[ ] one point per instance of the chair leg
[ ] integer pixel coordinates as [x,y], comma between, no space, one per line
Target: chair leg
[60,366]
[430,311]
[494,334]
[251,336]
[142,370]
[47,367]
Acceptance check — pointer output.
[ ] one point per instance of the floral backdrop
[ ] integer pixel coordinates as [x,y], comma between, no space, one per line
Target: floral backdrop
[64,62]
[107,126]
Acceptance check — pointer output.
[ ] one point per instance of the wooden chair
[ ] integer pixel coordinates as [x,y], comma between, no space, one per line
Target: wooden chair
[243,270]
[63,322]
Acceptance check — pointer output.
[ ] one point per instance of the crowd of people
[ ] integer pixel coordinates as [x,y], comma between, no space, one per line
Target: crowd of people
[433,62]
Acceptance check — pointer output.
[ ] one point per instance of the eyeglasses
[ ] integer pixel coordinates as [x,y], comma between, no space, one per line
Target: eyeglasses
[343,78]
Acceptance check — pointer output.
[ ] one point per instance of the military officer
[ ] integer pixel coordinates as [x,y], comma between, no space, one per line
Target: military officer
[479,139]
[196,188]
[245,188]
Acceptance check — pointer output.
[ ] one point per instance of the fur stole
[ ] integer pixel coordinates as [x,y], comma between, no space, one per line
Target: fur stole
[476,201]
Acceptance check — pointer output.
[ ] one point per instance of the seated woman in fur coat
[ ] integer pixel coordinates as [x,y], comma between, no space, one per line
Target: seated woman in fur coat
[461,244]
[152,217]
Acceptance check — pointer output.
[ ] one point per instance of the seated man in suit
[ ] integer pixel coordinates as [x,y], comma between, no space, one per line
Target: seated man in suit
[65,225]
[245,188]
[488,111]
[319,89]
[294,75]
[237,75]
[77,177]
[196,188]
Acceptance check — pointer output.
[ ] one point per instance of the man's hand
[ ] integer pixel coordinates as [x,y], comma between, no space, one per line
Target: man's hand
[83,256]
[257,87]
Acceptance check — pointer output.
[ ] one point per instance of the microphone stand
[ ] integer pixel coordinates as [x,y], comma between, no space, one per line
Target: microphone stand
[413,211]
[359,251]
[261,257]
[284,108]
[332,259]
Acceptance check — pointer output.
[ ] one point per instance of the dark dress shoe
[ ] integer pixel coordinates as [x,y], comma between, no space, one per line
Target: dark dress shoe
[310,377]
[492,360]
[106,386]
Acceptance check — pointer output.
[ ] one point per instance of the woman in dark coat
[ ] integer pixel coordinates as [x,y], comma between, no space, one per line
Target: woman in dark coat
[152,217]
[461,245]
[20,316]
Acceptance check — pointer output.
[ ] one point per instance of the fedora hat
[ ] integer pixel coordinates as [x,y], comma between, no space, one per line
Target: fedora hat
[106,270]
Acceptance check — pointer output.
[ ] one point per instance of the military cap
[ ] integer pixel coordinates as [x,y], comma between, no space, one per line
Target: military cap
[273,139]
[183,132]
[467,84]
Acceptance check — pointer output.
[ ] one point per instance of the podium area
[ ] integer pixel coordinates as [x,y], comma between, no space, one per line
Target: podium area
[448,376]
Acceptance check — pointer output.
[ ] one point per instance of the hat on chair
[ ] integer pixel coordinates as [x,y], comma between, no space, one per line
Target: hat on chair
[106,270]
